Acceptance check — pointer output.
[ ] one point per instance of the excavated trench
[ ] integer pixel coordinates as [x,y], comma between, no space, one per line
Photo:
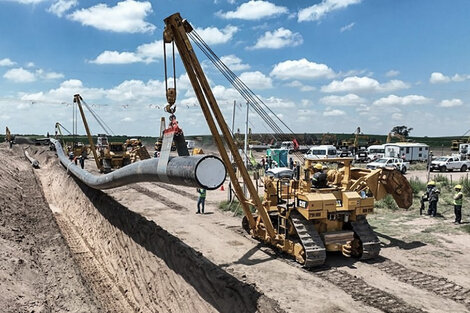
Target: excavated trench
[131,263]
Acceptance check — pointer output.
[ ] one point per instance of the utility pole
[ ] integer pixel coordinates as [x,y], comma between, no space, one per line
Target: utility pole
[246,141]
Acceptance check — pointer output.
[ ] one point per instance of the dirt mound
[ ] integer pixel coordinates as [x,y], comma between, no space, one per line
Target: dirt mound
[37,273]
[141,265]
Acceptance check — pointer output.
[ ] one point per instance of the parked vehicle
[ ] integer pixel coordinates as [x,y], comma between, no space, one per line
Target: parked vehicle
[396,163]
[376,152]
[409,151]
[321,152]
[362,156]
[449,163]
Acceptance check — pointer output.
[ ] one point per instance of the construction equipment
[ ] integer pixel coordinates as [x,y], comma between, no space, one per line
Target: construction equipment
[74,147]
[136,150]
[9,138]
[392,135]
[293,217]
[112,156]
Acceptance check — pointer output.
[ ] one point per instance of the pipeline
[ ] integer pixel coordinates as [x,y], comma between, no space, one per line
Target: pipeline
[202,171]
[34,162]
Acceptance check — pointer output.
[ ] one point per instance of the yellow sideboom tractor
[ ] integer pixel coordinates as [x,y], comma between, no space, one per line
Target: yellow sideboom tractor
[312,220]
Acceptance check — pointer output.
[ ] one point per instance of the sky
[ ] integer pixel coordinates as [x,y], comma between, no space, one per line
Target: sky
[321,66]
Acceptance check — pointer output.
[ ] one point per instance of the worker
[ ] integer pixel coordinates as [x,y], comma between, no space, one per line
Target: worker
[270,161]
[201,200]
[458,199]
[82,158]
[291,163]
[319,179]
[432,195]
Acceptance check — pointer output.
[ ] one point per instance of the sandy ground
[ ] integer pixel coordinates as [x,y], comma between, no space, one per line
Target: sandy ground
[143,248]
[37,270]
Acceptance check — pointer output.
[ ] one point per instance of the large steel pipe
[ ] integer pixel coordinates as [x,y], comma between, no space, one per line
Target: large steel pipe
[202,171]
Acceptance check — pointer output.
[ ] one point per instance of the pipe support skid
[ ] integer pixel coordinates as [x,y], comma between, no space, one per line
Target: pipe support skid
[202,171]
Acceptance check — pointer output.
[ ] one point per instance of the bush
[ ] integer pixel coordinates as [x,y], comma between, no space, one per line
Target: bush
[387,203]
[417,185]
[442,180]
[465,182]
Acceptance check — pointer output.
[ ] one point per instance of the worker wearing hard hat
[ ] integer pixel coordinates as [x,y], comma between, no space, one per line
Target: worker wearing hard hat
[319,179]
[432,194]
[458,199]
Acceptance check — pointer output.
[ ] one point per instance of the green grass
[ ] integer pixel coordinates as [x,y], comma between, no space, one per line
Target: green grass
[387,203]
[234,207]
[417,185]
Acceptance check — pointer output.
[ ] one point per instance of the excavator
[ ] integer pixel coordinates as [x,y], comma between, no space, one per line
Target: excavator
[294,217]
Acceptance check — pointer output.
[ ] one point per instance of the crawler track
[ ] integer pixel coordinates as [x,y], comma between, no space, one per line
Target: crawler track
[315,253]
[370,242]
[438,285]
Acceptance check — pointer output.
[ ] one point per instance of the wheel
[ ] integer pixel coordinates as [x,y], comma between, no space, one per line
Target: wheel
[443,168]
[463,168]
[403,170]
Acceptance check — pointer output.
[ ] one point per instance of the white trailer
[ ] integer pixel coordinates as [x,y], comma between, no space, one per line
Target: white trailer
[376,152]
[408,151]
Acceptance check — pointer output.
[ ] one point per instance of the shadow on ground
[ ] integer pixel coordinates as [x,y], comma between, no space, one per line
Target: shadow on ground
[223,291]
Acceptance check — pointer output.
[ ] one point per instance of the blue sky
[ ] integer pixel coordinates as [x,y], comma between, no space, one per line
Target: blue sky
[321,66]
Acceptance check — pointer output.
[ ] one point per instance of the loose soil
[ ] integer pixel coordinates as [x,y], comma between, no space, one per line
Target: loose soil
[142,248]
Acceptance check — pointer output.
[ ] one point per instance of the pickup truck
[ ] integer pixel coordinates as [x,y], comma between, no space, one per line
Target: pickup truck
[396,163]
[449,163]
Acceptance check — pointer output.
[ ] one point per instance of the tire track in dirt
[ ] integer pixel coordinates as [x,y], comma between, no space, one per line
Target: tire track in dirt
[362,291]
[354,286]
[158,197]
[438,285]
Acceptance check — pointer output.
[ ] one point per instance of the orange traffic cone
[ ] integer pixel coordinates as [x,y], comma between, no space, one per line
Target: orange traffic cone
[222,188]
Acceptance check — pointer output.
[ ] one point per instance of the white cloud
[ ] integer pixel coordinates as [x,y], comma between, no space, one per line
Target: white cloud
[30,64]
[363,84]
[254,10]
[278,103]
[280,38]
[61,6]
[437,77]
[234,63]
[451,103]
[7,62]
[146,53]
[126,17]
[397,116]
[392,73]
[256,80]
[347,100]
[115,57]
[393,100]
[213,35]
[335,112]
[347,27]
[301,69]
[20,75]
[319,10]
[300,86]
[29,1]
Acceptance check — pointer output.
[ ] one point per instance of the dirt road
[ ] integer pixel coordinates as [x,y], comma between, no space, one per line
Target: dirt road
[142,247]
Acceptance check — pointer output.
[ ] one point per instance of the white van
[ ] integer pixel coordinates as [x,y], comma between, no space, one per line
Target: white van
[376,152]
[321,152]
